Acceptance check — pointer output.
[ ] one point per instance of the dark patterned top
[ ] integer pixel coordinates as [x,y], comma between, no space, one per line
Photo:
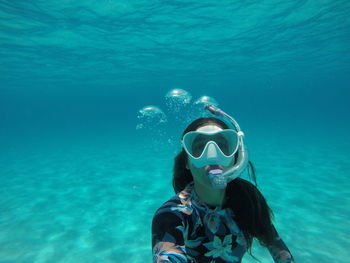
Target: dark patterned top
[184,229]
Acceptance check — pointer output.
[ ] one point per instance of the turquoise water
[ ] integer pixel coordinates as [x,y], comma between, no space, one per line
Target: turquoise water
[79,182]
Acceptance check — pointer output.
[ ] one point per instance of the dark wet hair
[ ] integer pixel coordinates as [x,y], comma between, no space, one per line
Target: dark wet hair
[252,213]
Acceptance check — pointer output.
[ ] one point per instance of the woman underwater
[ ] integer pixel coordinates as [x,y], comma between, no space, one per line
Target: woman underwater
[214,215]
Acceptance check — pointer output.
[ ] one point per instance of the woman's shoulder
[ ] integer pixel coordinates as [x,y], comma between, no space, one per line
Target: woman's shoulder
[172,202]
[179,204]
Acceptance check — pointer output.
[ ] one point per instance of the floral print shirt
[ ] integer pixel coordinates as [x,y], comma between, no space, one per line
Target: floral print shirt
[184,229]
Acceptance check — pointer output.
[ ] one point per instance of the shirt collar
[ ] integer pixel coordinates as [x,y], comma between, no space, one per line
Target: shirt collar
[194,197]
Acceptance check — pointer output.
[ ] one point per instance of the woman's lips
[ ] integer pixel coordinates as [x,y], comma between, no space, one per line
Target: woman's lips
[213,167]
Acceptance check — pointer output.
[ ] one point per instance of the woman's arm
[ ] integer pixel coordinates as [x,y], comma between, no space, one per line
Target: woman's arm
[167,239]
[280,252]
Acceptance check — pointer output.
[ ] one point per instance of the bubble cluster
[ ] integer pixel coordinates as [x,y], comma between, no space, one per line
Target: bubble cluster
[163,129]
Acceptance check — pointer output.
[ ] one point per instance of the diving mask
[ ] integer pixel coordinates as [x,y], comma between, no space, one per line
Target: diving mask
[211,145]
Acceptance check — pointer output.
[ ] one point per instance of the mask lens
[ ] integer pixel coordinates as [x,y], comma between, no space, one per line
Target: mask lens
[199,144]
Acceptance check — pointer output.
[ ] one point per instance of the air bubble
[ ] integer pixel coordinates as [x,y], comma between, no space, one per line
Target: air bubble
[150,116]
[177,99]
[206,100]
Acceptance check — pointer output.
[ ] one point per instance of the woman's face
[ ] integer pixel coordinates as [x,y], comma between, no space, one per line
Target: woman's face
[200,175]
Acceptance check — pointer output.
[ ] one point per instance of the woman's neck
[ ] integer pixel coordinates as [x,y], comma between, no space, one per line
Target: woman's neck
[209,195]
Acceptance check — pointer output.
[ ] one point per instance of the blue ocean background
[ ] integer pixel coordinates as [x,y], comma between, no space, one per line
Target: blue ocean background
[82,171]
